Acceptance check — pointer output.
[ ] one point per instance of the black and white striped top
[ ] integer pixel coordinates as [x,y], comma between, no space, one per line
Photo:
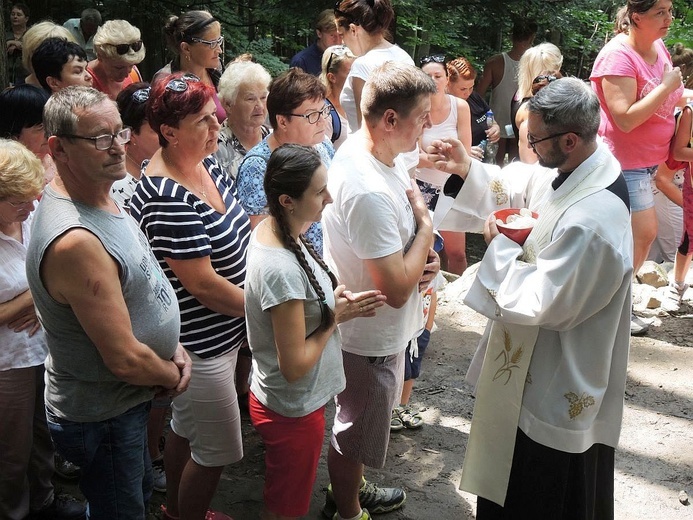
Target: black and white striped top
[181,226]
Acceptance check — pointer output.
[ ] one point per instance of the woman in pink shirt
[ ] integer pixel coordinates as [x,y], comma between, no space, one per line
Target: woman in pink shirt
[638,89]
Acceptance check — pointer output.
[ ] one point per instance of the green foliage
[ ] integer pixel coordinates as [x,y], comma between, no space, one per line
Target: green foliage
[262,52]
[274,30]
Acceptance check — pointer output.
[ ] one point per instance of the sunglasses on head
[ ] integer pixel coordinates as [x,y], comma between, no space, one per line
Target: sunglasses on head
[123,48]
[181,84]
[340,51]
[434,58]
[141,95]
[544,77]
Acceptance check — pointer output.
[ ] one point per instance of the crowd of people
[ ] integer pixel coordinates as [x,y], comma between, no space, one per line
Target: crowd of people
[217,242]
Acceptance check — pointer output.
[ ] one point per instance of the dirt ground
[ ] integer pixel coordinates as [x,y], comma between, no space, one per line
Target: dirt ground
[654,462]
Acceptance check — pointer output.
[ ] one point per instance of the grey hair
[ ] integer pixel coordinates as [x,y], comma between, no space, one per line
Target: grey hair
[568,105]
[239,74]
[394,86]
[91,15]
[59,114]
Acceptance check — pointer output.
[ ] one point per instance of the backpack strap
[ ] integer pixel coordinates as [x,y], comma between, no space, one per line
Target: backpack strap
[336,121]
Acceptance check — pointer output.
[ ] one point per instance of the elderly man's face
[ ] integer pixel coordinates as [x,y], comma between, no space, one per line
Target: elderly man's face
[547,146]
[86,162]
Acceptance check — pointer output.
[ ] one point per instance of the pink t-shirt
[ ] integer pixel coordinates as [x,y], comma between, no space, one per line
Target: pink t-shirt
[648,144]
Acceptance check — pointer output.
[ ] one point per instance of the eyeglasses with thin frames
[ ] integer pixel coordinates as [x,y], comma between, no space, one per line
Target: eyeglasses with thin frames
[533,142]
[212,44]
[105,141]
[181,84]
[314,117]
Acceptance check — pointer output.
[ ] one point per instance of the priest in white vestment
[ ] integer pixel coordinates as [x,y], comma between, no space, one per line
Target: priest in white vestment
[550,391]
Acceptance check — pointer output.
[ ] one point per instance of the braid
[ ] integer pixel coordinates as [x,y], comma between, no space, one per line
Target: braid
[327,319]
[320,261]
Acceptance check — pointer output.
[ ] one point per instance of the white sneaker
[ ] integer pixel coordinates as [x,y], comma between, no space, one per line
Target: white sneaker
[159,475]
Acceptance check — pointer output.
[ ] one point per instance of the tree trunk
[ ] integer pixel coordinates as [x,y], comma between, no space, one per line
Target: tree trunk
[3,57]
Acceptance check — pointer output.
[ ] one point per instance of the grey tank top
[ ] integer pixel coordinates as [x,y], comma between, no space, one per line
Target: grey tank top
[79,386]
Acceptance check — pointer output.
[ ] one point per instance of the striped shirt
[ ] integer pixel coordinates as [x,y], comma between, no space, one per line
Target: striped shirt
[179,225]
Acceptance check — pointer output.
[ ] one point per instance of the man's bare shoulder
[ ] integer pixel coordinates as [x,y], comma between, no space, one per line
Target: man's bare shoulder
[75,242]
[77,253]
[494,60]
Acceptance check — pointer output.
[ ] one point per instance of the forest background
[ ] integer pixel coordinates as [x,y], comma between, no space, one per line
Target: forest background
[274,30]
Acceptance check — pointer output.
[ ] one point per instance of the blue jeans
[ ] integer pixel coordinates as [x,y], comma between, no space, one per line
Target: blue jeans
[116,474]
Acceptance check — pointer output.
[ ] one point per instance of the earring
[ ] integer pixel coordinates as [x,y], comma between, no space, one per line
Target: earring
[291,211]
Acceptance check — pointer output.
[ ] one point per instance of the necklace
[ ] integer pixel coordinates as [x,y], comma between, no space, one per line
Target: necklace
[171,166]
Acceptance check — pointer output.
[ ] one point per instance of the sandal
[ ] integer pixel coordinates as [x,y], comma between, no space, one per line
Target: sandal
[410,419]
[396,423]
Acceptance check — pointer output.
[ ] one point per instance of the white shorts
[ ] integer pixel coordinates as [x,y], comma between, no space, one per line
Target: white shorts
[207,413]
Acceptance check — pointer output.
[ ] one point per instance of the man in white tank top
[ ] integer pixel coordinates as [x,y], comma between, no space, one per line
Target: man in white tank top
[500,73]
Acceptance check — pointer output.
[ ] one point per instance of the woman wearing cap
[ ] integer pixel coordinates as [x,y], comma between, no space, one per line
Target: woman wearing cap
[119,49]
[194,38]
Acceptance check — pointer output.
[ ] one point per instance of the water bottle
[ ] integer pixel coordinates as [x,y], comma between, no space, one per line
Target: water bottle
[491,148]
[483,144]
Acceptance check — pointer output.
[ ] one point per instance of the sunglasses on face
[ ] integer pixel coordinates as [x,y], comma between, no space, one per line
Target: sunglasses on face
[212,44]
[544,77]
[141,95]
[181,84]
[123,48]
[435,58]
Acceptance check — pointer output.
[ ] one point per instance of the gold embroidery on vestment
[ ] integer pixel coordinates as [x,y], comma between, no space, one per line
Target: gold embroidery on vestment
[496,187]
[510,358]
[578,403]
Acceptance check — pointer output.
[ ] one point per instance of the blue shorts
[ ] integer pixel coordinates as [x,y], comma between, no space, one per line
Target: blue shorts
[639,181]
[412,367]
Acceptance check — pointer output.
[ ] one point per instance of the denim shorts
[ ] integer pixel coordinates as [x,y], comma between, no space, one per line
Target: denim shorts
[639,181]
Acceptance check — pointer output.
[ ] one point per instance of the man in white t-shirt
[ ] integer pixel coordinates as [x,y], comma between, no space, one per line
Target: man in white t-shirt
[378,234]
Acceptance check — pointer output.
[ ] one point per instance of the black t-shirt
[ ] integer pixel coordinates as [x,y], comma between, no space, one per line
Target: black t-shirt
[478,108]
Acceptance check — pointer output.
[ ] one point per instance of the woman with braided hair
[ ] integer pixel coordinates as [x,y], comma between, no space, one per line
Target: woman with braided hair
[293,305]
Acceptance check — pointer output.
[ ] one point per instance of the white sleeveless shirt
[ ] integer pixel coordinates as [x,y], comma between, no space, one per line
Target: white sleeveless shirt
[447,128]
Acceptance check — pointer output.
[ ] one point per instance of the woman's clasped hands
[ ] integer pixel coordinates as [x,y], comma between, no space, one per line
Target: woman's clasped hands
[350,305]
